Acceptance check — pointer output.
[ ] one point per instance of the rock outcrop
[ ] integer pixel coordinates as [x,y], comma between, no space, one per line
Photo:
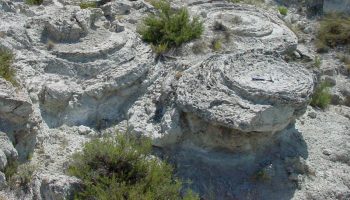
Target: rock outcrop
[250,92]
[15,104]
[228,112]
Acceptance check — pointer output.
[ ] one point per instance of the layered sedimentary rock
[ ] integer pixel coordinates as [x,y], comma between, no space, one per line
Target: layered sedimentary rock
[15,104]
[81,67]
[252,92]
[239,27]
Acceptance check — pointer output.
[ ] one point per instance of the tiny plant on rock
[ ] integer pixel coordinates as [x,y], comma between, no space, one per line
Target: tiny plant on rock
[169,27]
[34,2]
[6,70]
[283,10]
[90,4]
[317,62]
[321,97]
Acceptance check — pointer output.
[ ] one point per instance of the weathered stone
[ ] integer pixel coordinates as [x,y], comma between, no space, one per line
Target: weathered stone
[7,147]
[247,92]
[58,187]
[331,6]
[2,180]
[243,27]
[69,26]
[15,105]
[3,160]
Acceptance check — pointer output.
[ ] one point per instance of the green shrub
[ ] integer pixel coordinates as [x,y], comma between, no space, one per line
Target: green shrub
[123,168]
[345,59]
[18,174]
[23,175]
[34,2]
[334,31]
[317,62]
[321,97]
[11,168]
[283,10]
[217,44]
[90,4]
[169,27]
[6,70]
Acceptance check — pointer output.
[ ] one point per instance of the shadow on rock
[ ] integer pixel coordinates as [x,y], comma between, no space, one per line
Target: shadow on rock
[274,173]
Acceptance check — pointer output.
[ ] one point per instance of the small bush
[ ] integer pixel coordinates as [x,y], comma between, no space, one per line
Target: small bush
[321,97]
[283,10]
[216,44]
[10,169]
[345,59]
[169,27]
[34,2]
[23,175]
[6,70]
[334,31]
[123,168]
[50,45]
[317,62]
[85,5]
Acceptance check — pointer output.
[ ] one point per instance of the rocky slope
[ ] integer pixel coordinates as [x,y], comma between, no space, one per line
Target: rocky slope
[235,121]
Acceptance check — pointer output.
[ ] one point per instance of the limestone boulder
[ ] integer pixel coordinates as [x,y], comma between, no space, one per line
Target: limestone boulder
[15,104]
[7,151]
[54,186]
[248,92]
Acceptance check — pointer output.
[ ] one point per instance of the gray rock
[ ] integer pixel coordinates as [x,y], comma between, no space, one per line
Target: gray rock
[2,180]
[306,54]
[58,187]
[312,115]
[3,160]
[7,147]
[330,6]
[15,105]
[246,92]
[114,8]
[243,28]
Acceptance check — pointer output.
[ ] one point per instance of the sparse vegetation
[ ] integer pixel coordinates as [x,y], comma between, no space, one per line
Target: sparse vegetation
[169,27]
[89,4]
[122,167]
[23,175]
[34,2]
[345,59]
[50,45]
[217,44]
[334,31]
[19,175]
[283,10]
[321,97]
[6,70]
[11,168]
[199,47]
[317,62]
[263,174]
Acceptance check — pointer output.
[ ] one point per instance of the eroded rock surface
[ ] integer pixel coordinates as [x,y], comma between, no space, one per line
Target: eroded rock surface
[249,92]
[15,104]
[227,113]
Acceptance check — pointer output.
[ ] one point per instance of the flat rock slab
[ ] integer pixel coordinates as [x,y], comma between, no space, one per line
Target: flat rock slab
[243,27]
[251,91]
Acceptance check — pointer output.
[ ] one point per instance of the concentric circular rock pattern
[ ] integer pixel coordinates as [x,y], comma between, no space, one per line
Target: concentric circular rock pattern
[249,92]
[243,27]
